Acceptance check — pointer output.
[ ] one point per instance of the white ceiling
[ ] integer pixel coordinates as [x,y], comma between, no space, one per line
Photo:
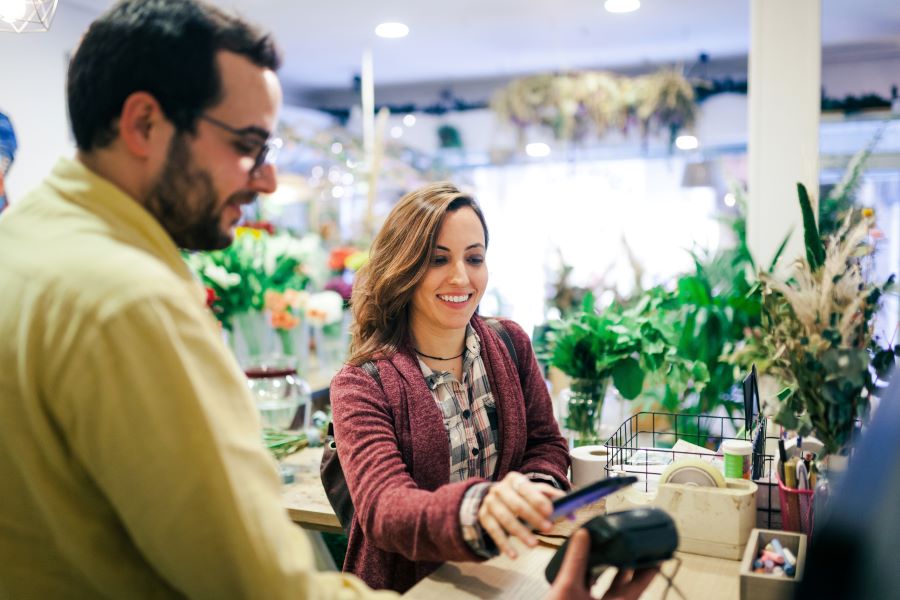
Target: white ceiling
[470,39]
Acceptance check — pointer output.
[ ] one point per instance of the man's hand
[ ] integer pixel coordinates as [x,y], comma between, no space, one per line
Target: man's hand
[571,584]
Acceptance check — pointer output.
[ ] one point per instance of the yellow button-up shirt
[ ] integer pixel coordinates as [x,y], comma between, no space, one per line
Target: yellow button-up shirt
[131,464]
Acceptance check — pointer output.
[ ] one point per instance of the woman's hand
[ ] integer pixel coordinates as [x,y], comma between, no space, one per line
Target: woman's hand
[515,506]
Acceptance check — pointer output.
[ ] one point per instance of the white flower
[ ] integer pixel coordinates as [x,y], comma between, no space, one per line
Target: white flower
[221,277]
[324,308]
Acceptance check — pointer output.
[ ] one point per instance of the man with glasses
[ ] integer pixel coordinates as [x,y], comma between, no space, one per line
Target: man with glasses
[130,456]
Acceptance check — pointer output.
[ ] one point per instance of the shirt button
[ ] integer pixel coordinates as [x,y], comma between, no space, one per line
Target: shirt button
[474,451]
[466,414]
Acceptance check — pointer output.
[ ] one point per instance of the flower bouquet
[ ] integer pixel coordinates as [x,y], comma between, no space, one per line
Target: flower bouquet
[818,329]
[241,275]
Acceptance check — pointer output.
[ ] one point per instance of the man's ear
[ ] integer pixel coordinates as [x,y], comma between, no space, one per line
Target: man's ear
[142,125]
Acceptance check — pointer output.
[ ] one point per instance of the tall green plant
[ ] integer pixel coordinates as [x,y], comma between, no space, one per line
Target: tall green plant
[626,345]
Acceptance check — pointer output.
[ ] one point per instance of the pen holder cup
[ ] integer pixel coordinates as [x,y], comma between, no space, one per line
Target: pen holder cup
[796,508]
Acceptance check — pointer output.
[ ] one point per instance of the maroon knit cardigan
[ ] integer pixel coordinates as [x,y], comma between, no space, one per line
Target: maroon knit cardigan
[395,455]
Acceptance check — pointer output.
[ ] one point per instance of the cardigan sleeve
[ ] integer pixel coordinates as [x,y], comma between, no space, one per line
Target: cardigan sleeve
[546,451]
[395,514]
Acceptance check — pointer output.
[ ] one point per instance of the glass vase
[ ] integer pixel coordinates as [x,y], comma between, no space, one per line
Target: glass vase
[249,337]
[282,397]
[583,402]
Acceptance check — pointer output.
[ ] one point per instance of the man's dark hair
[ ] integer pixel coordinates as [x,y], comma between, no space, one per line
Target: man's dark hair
[166,48]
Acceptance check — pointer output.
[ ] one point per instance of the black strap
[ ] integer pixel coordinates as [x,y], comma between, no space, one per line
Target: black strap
[370,368]
[498,327]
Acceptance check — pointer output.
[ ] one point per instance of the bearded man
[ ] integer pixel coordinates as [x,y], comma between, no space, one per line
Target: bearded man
[130,456]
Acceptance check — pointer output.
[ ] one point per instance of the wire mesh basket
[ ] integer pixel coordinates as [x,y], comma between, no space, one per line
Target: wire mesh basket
[643,446]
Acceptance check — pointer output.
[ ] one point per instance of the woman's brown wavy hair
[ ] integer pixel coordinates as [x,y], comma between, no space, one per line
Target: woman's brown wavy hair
[398,260]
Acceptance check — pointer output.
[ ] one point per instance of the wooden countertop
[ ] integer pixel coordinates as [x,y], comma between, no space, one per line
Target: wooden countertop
[523,578]
[305,499]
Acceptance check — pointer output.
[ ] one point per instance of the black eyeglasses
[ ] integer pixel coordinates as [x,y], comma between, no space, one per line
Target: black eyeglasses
[252,137]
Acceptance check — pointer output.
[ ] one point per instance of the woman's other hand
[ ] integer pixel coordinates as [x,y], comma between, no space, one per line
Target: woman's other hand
[515,506]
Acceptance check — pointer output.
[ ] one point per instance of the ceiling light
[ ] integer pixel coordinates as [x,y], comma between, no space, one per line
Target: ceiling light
[622,6]
[26,15]
[396,131]
[729,199]
[687,142]
[392,30]
[337,148]
[409,120]
[12,10]
[537,150]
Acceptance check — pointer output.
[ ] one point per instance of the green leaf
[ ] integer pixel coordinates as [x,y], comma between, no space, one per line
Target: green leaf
[883,362]
[587,304]
[779,252]
[815,249]
[628,378]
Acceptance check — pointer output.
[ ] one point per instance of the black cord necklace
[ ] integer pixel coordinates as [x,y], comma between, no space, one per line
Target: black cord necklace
[438,357]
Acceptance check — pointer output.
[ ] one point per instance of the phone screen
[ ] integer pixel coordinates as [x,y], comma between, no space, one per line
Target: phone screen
[572,501]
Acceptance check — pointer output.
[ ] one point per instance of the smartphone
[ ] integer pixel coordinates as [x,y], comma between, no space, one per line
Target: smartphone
[565,506]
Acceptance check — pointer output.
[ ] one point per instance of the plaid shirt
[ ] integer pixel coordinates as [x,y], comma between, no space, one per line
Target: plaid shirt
[470,420]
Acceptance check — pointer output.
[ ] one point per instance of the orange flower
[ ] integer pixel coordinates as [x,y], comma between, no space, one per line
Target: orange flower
[284,320]
[295,299]
[275,301]
[338,257]
[315,314]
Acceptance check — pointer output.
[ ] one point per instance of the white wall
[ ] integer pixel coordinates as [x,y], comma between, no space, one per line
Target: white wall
[874,75]
[33,95]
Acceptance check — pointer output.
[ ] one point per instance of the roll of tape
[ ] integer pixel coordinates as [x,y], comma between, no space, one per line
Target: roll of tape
[588,464]
[693,471]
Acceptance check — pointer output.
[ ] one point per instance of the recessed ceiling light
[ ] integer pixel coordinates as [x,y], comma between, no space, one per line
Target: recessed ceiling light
[409,120]
[392,30]
[686,142]
[537,150]
[622,6]
[730,199]
[396,131]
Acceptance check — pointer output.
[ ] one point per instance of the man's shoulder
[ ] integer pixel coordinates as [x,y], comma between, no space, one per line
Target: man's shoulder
[101,276]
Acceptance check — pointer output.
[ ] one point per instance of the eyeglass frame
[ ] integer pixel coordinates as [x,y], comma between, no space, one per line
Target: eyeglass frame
[269,145]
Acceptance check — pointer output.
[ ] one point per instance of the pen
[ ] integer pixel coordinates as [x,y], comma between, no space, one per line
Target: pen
[802,476]
[783,456]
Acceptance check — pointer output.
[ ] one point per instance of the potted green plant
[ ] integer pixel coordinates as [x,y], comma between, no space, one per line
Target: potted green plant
[621,346]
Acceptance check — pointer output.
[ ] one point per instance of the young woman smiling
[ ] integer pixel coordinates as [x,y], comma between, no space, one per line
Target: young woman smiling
[453,449]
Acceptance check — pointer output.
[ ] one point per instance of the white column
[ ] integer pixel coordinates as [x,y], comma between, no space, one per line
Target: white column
[785,66]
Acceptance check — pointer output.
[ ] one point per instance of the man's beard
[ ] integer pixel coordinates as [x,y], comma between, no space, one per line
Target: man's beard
[185,203]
